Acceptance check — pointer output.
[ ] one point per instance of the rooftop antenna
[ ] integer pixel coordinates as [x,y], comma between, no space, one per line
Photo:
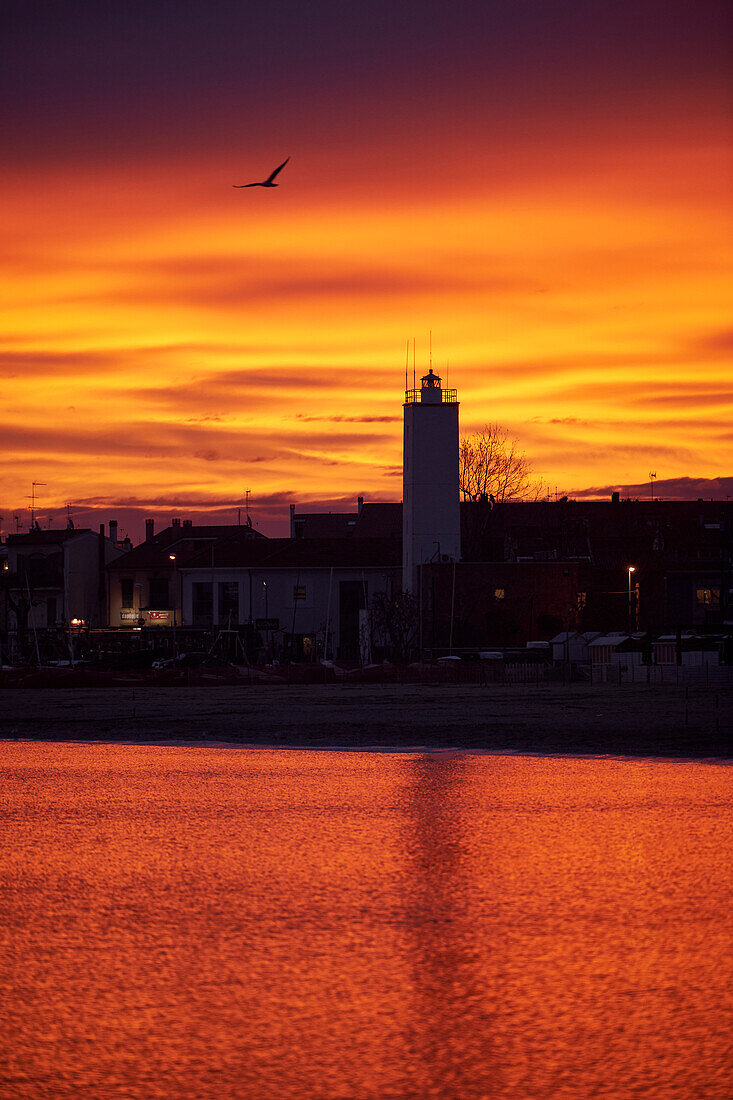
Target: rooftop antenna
[246,505]
[652,476]
[413,363]
[430,337]
[407,362]
[16,517]
[32,499]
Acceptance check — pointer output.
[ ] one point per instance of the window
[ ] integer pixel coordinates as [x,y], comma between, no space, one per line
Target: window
[499,593]
[127,591]
[203,603]
[228,602]
[706,596]
[582,600]
[299,592]
[158,592]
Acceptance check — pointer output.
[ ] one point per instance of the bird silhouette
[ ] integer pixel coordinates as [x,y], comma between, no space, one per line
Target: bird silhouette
[269,181]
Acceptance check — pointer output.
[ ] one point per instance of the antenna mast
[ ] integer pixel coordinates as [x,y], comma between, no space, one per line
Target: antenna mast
[652,476]
[413,363]
[407,362]
[33,502]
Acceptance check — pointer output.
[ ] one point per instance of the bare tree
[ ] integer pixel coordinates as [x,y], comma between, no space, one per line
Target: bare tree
[394,620]
[492,466]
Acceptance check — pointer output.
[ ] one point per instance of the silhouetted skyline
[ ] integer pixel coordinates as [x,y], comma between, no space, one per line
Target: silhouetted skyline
[546,187]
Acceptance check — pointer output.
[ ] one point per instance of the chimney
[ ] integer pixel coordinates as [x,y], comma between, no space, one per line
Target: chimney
[176,522]
[101,529]
[149,529]
[615,498]
[187,523]
[113,530]
[292,521]
[359,505]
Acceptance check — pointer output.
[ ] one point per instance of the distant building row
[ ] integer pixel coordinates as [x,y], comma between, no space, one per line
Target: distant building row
[530,571]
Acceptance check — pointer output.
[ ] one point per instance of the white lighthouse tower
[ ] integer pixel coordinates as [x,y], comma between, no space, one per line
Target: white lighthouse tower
[431,520]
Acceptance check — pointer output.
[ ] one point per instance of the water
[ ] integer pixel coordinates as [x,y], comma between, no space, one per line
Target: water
[218,922]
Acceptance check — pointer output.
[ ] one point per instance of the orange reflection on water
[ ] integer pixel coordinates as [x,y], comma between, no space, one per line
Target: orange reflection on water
[254,923]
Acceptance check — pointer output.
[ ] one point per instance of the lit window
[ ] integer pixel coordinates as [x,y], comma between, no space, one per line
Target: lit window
[299,592]
[708,595]
[499,593]
[582,600]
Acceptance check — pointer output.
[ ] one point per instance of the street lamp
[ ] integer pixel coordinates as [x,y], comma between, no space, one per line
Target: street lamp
[267,616]
[631,569]
[175,597]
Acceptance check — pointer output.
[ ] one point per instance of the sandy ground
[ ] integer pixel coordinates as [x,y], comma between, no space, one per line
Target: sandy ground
[632,719]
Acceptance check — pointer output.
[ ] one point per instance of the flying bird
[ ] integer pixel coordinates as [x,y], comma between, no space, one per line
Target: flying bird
[268,182]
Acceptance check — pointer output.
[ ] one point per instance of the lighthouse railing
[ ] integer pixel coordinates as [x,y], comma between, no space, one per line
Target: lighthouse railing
[448,397]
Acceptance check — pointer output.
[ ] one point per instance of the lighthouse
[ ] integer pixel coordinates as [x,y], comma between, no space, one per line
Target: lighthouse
[431,521]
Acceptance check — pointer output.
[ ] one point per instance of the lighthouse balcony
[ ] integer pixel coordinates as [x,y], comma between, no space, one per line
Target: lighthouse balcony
[447,397]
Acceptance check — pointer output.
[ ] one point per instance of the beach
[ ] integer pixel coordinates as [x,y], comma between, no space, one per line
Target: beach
[636,720]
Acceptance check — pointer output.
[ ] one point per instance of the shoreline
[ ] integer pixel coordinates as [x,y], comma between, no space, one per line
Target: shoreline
[399,750]
[629,721]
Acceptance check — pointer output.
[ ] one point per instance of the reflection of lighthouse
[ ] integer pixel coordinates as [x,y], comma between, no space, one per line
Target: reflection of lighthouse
[431,521]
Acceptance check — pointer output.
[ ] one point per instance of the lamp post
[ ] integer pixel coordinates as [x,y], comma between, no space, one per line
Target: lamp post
[267,615]
[631,569]
[175,597]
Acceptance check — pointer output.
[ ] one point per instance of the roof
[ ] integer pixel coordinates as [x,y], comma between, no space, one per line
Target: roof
[614,639]
[53,537]
[186,542]
[379,520]
[564,636]
[301,554]
[324,525]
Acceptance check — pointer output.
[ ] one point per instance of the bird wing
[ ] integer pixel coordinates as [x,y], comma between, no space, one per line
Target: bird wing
[247,185]
[279,168]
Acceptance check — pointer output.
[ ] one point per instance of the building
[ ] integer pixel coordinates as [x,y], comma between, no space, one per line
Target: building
[145,584]
[55,580]
[431,522]
[473,605]
[302,598]
[681,553]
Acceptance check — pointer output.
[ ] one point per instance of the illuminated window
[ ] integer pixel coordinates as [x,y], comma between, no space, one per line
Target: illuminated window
[582,600]
[708,595]
[499,593]
[299,592]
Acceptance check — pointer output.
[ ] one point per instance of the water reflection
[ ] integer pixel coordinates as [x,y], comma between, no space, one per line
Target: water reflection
[212,922]
[450,1033]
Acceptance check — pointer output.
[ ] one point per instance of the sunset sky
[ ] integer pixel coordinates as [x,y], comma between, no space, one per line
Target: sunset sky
[545,185]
